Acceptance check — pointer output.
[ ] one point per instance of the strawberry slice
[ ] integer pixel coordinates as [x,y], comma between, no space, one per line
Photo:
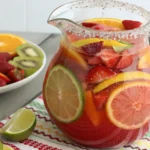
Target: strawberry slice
[125,61]
[109,57]
[16,75]
[130,24]
[104,27]
[88,24]
[94,60]
[92,48]
[5,67]
[98,74]
[5,56]
[5,78]
[2,82]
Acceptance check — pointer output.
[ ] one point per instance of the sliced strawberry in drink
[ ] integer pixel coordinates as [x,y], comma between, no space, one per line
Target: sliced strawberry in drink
[94,60]
[109,57]
[130,24]
[98,74]
[5,56]
[88,24]
[5,67]
[2,82]
[104,28]
[125,61]
[92,48]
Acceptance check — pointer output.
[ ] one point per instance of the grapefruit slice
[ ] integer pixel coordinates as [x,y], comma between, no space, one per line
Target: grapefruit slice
[128,106]
[63,94]
[112,22]
[9,43]
[121,77]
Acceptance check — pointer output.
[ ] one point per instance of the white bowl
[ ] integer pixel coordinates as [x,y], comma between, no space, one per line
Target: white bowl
[18,84]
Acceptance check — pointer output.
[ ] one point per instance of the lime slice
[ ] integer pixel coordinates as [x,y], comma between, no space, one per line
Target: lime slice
[6,147]
[20,126]
[63,94]
[1,145]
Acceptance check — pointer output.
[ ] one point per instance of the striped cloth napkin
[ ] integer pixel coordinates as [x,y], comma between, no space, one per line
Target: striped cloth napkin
[47,136]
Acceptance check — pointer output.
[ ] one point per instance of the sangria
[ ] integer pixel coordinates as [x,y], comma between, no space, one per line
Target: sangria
[97,86]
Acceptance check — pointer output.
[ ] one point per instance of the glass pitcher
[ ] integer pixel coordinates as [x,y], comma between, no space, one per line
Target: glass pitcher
[97,86]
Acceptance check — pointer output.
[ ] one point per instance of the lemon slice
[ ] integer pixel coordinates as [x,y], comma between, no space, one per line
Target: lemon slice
[126,76]
[20,126]
[63,94]
[6,147]
[107,42]
[112,22]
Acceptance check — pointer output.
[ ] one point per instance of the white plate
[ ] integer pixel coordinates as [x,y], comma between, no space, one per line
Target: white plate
[18,84]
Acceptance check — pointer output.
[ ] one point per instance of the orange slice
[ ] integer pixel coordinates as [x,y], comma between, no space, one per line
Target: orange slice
[128,106]
[112,22]
[125,76]
[9,43]
[144,61]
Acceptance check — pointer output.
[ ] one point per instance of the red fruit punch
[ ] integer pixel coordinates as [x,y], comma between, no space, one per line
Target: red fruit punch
[16,75]
[98,74]
[5,67]
[109,57]
[130,24]
[5,56]
[2,82]
[92,48]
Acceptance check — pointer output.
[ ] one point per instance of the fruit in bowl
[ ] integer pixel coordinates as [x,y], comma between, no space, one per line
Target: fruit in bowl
[19,59]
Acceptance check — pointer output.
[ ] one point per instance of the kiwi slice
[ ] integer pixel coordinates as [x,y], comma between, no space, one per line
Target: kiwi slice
[29,50]
[28,64]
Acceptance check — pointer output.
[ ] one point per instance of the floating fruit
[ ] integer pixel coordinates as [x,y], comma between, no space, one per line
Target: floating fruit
[144,61]
[94,115]
[9,43]
[128,105]
[62,88]
[121,77]
[29,65]
[131,24]
[98,74]
[2,82]
[29,50]
[109,57]
[5,56]
[111,22]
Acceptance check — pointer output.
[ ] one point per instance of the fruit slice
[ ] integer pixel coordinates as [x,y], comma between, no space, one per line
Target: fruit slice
[4,77]
[98,74]
[4,56]
[2,82]
[20,126]
[16,75]
[5,66]
[29,50]
[106,42]
[125,76]
[131,24]
[112,22]
[92,48]
[63,94]
[133,98]
[1,145]
[6,147]
[29,65]
[125,61]
[90,109]
[109,57]
[144,61]
[9,43]
[89,24]
[70,53]
[94,60]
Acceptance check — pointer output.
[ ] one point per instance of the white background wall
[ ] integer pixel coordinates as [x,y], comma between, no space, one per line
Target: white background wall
[31,15]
